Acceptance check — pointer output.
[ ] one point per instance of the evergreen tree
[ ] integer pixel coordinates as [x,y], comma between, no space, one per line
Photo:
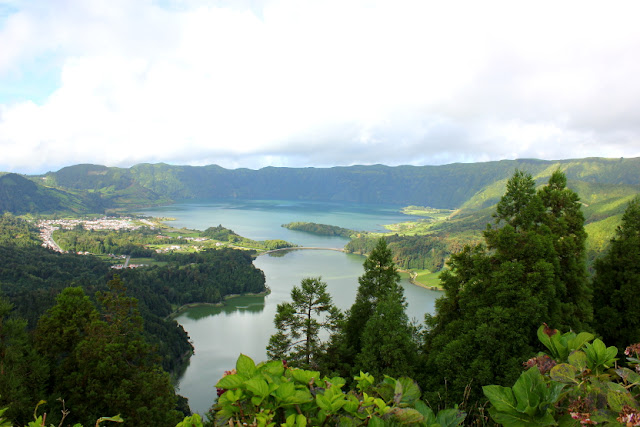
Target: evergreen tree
[388,346]
[497,296]
[380,277]
[564,218]
[300,323]
[376,336]
[23,372]
[101,364]
[616,283]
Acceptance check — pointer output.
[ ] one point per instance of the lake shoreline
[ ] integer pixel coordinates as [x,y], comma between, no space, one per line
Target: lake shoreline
[190,305]
[413,281]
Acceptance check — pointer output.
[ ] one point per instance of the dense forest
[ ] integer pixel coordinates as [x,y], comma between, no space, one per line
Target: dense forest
[35,281]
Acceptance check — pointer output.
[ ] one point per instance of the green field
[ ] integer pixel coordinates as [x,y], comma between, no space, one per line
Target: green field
[424,278]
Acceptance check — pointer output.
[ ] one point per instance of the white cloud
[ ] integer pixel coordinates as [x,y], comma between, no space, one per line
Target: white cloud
[297,83]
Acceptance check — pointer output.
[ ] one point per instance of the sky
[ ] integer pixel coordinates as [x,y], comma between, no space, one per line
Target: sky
[320,83]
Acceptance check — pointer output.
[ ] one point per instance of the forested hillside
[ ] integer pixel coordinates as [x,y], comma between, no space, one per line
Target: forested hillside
[37,282]
[20,195]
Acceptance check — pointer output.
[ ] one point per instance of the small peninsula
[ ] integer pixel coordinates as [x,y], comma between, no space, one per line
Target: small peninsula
[321,229]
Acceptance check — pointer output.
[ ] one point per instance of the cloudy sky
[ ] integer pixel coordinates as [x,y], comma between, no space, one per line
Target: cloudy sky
[252,83]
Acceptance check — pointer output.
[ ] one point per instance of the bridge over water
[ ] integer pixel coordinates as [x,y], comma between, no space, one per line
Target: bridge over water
[302,247]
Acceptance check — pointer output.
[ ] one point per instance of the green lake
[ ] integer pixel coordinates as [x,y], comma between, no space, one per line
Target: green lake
[244,324]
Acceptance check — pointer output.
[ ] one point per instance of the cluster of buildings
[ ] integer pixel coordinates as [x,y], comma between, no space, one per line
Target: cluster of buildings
[48,226]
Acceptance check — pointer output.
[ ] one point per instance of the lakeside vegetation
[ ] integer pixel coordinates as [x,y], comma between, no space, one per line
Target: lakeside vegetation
[146,241]
[321,229]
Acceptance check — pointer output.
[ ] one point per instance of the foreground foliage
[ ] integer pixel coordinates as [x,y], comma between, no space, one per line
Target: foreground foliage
[272,394]
[577,383]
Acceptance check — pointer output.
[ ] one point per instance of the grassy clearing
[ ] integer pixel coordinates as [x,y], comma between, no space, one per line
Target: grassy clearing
[431,217]
[147,261]
[426,211]
[427,278]
[411,228]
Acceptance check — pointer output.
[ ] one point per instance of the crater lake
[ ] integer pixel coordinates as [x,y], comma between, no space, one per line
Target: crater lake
[244,324]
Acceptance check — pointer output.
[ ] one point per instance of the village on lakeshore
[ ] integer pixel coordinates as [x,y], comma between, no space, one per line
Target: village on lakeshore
[189,241]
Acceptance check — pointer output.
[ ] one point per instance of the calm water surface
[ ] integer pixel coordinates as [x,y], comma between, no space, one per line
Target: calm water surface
[244,324]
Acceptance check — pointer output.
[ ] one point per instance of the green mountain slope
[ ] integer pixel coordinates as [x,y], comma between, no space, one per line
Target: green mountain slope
[20,195]
[447,186]
[469,187]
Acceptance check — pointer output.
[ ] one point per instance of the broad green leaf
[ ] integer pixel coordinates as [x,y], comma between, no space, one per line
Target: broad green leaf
[410,391]
[336,404]
[347,422]
[427,413]
[114,419]
[291,420]
[230,381]
[628,375]
[578,359]
[581,339]
[258,386]
[544,338]
[304,377]
[284,391]
[559,344]
[563,373]
[274,368]
[612,352]
[617,399]
[335,381]
[501,398]
[526,391]
[295,420]
[520,420]
[397,393]
[407,415]
[375,422]
[323,403]
[553,392]
[300,397]
[245,365]
[451,417]
[301,420]
[352,403]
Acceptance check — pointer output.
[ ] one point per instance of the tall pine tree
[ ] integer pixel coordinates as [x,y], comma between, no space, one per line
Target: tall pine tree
[497,296]
[388,346]
[563,216]
[616,283]
[300,322]
[376,336]
[380,277]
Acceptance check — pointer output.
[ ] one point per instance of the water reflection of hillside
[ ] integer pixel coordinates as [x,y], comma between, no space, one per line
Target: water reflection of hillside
[244,304]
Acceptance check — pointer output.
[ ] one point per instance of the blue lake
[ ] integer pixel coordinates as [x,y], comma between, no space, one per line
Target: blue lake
[244,324]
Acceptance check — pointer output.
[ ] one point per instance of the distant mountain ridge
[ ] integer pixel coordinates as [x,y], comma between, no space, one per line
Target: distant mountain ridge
[471,186]
[446,186]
